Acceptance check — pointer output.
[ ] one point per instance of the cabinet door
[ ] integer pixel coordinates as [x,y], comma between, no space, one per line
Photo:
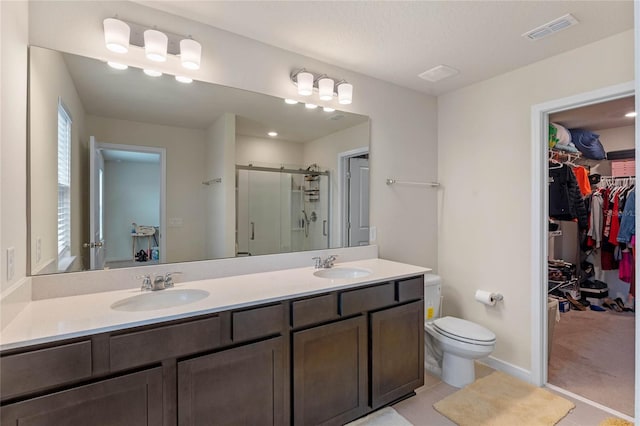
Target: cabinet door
[241,386]
[131,400]
[330,373]
[397,352]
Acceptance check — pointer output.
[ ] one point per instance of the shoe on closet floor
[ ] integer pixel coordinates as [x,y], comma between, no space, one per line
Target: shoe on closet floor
[576,304]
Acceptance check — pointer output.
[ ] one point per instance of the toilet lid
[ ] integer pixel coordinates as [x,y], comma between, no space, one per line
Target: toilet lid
[465,331]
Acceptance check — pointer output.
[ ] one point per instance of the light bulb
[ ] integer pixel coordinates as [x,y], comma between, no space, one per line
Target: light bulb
[190,53]
[152,73]
[117,65]
[310,106]
[116,35]
[183,79]
[290,101]
[345,93]
[325,89]
[305,83]
[155,45]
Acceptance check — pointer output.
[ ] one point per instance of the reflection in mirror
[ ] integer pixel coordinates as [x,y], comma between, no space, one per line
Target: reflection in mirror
[130,170]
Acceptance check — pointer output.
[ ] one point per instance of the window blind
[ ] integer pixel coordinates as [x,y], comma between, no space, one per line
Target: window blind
[64,181]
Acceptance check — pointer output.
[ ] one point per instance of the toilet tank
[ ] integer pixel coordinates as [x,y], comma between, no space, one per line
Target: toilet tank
[432,293]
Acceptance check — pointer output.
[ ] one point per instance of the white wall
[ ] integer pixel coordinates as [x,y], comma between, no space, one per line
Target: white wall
[403,122]
[185,173]
[50,80]
[220,207]
[617,138]
[268,152]
[14,27]
[131,194]
[484,209]
[324,152]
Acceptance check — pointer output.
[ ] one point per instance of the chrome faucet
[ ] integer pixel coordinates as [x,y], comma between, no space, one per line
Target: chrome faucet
[326,263]
[160,282]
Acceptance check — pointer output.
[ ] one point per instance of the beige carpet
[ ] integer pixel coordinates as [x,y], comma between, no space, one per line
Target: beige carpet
[502,400]
[593,356]
[614,421]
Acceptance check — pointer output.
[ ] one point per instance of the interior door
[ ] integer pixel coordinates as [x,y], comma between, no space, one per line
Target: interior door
[358,201]
[96,223]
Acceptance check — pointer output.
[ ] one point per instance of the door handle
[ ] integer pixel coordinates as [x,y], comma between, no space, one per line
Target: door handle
[324,228]
[92,245]
[253,230]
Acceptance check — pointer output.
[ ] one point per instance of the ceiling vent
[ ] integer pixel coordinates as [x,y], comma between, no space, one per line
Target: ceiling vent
[559,24]
[438,73]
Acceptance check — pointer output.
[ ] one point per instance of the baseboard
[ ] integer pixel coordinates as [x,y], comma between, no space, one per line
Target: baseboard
[506,367]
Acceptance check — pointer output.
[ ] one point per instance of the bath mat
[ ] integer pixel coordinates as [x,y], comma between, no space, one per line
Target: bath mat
[615,421]
[385,417]
[499,399]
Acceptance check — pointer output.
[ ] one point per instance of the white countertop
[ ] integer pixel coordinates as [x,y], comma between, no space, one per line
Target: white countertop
[49,320]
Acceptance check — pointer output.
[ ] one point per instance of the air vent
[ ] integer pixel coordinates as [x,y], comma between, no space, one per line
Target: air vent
[438,73]
[552,27]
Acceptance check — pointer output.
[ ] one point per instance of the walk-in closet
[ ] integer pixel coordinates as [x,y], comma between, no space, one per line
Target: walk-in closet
[591,273]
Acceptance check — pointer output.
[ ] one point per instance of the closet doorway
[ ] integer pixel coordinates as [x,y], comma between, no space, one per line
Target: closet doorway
[587,264]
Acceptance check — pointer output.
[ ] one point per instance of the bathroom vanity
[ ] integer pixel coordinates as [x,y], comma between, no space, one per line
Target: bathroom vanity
[298,349]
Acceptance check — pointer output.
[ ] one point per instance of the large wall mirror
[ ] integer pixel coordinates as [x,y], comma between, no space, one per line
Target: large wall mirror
[127,169]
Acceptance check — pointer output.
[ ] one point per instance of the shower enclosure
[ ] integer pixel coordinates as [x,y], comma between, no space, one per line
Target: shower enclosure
[281,210]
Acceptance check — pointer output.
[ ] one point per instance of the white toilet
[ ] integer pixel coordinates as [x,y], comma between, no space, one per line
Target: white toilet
[460,341]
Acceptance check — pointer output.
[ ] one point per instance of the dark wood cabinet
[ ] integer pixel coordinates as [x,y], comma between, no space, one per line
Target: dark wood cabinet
[323,359]
[131,400]
[330,373]
[397,352]
[241,386]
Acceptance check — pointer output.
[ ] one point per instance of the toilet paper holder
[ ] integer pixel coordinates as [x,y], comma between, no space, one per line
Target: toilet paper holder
[497,297]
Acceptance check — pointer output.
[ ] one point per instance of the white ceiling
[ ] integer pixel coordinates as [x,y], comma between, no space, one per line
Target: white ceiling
[604,115]
[397,40]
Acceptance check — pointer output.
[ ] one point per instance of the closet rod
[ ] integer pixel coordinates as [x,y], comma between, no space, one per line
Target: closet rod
[404,182]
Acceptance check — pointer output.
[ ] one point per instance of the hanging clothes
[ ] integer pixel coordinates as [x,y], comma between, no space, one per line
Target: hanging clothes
[565,200]
[628,219]
[582,177]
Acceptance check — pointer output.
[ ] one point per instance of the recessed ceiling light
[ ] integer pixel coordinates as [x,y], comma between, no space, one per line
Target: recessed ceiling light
[152,73]
[117,65]
[310,106]
[291,101]
[631,114]
[328,109]
[183,79]
[273,134]
[438,73]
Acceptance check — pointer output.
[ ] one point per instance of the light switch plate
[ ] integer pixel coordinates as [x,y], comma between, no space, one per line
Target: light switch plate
[11,263]
[373,234]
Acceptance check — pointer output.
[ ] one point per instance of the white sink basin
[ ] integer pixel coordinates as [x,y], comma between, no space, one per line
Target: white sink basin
[160,299]
[342,273]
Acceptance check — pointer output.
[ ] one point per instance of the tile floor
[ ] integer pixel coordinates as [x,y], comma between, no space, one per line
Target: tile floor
[419,409]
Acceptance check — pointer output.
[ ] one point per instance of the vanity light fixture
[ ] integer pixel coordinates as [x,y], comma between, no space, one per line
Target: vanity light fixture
[272,134]
[155,45]
[328,109]
[631,114]
[183,79]
[119,35]
[190,53]
[152,73]
[310,106]
[117,65]
[116,35]
[326,86]
[290,101]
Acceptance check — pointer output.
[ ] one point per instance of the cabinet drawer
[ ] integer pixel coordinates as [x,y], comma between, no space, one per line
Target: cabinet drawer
[257,322]
[367,299]
[30,371]
[171,341]
[411,289]
[314,310]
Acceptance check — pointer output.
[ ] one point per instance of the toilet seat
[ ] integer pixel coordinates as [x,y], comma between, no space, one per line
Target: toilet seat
[464,331]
